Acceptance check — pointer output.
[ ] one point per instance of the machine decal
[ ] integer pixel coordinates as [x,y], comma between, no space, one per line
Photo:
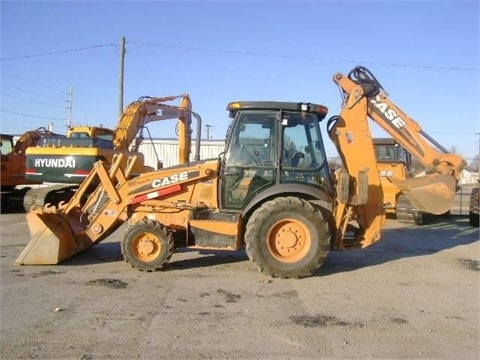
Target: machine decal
[169,180]
[399,124]
[156,194]
[57,163]
[390,114]
[386,173]
[110,213]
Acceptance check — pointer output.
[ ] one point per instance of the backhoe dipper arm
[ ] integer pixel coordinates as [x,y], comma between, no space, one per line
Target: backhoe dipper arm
[361,83]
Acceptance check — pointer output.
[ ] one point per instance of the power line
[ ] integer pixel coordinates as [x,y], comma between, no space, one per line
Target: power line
[248,53]
[57,52]
[29,115]
[32,92]
[251,53]
[454,132]
[32,101]
[34,83]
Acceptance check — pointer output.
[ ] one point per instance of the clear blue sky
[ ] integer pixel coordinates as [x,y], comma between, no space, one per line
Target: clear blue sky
[425,54]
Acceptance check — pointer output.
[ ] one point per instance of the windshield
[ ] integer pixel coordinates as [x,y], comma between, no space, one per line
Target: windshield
[271,147]
[6,145]
[389,152]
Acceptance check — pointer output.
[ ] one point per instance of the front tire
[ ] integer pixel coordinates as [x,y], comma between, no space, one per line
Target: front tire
[147,245]
[287,237]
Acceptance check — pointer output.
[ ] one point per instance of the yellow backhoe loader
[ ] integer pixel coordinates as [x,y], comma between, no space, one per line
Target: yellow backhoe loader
[393,161]
[271,191]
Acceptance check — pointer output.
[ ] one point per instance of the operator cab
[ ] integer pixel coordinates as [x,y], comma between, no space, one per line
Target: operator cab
[6,144]
[275,146]
[387,150]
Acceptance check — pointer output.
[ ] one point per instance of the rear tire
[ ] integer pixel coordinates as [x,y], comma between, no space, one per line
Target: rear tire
[287,237]
[147,245]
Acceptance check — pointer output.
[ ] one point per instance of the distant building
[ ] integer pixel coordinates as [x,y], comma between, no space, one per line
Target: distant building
[166,150]
[467,177]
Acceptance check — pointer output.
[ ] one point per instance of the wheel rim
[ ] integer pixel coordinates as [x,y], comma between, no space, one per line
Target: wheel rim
[289,240]
[146,247]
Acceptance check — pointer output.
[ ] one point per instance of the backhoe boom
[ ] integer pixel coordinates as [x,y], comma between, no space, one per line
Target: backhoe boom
[364,98]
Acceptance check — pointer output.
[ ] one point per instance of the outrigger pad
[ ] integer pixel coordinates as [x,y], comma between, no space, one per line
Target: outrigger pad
[433,194]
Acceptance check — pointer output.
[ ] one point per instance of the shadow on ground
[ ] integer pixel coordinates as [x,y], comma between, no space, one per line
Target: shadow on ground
[404,242]
[396,243]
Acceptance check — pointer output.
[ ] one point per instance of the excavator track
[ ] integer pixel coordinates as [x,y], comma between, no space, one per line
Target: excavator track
[38,197]
[12,201]
[406,212]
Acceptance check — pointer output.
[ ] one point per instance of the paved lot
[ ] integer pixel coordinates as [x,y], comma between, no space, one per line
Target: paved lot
[413,295]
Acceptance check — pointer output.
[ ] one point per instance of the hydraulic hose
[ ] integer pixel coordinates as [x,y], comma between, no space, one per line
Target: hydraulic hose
[364,77]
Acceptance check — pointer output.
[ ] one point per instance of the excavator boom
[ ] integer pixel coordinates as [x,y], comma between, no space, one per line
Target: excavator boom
[28,139]
[147,109]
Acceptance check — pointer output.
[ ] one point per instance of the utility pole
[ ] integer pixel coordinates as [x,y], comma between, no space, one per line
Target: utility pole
[69,106]
[208,130]
[122,69]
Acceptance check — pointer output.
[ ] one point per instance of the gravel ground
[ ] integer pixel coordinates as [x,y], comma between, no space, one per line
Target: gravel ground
[413,295]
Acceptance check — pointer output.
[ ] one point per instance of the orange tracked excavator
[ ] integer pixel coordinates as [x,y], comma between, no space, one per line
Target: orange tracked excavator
[271,191]
[14,184]
[13,156]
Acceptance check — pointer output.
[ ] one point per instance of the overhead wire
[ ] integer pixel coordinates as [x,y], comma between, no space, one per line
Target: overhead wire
[37,94]
[202,49]
[31,92]
[57,52]
[33,82]
[311,58]
[31,101]
[29,115]
[237,52]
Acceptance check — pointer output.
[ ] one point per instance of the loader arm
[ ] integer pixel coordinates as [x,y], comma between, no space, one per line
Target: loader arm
[59,234]
[148,109]
[364,98]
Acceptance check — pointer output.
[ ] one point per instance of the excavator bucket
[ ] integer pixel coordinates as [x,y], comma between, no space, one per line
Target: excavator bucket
[52,239]
[432,194]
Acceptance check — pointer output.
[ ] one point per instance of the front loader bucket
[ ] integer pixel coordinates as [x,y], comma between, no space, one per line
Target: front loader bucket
[52,239]
[433,194]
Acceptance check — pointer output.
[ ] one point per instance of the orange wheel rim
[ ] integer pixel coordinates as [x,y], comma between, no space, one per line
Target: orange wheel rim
[146,247]
[289,240]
